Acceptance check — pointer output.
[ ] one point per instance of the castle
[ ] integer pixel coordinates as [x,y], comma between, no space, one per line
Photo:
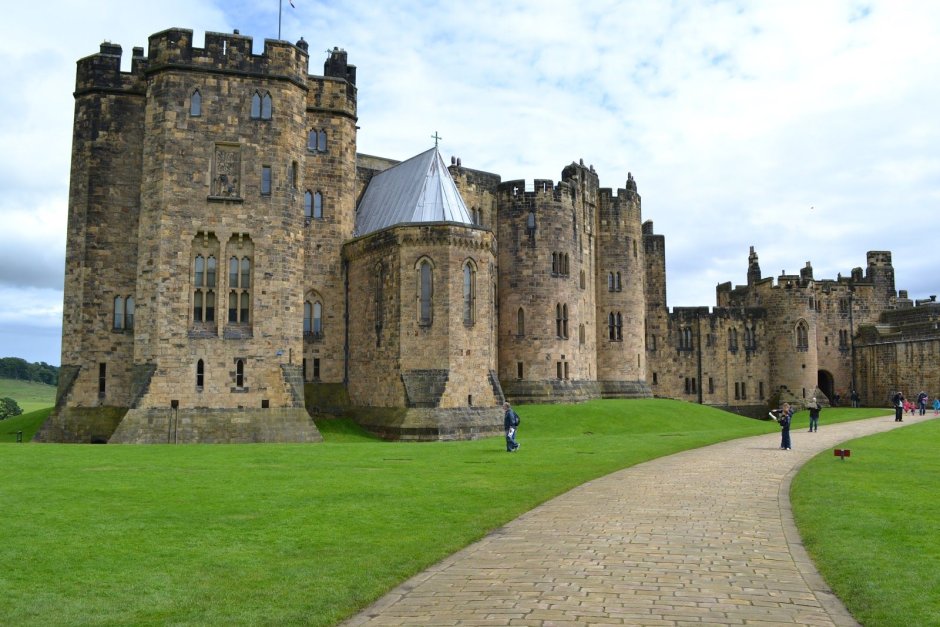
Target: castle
[234,267]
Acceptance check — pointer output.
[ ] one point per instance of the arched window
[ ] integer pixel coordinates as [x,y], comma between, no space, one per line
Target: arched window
[318,206]
[379,274]
[246,274]
[239,373]
[520,322]
[611,326]
[469,293]
[119,312]
[564,321]
[210,271]
[312,141]
[239,298]
[802,336]
[530,223]
[255,106]
[308,204]
[266,106]
[200,375]
[317,319]
[558,320]
[195,104]
[321,141]
[425,292]
[619,323]
[308,317]
[610,281]
[619,284]
[566,269]
[204,280]
[199,268]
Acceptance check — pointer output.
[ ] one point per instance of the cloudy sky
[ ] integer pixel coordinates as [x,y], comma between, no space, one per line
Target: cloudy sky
[806,129]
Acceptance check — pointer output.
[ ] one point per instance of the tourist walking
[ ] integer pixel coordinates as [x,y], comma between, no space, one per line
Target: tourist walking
[786,413]
[511,423]
[855,398]
[814,415]
[898,401]
[922,402]
[936,406]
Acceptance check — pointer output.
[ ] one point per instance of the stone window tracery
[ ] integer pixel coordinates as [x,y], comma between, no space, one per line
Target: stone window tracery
[204,282]
[469,293]
[802,336]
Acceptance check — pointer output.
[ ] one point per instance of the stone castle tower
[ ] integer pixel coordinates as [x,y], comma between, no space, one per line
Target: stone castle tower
[234,269]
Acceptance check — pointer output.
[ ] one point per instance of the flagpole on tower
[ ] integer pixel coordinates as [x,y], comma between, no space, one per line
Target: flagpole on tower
[279,4]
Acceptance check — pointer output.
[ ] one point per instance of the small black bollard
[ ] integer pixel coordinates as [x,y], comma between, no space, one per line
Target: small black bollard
[19,436]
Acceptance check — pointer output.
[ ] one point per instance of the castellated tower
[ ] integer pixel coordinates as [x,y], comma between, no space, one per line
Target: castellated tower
[328,192]
[187,266]
[549,326]
[621,293]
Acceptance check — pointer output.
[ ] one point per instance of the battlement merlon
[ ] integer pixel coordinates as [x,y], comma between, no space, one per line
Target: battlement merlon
[228,53]
[520,191]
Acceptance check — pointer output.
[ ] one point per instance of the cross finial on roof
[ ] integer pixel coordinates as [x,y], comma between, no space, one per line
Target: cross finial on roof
[436,137]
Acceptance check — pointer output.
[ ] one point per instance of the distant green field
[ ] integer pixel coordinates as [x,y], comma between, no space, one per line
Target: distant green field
[29,395]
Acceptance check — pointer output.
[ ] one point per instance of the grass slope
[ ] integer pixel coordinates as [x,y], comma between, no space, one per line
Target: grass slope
[287,534]
[28,424]
[29,395]
[871,524]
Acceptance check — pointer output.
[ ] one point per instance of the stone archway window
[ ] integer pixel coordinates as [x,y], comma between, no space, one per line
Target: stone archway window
[239,373]
[308,204]
[469,293]
[195,104]
[425,278]
[802,336]
[318,205]
[520,322]
[200,375]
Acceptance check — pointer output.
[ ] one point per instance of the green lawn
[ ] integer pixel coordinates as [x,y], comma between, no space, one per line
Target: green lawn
[296,534]
[29,395]
[872,524]
[289,534]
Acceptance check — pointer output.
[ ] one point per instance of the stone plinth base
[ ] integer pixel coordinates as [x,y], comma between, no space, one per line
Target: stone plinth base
[422,424]
[80,425]
[215,426]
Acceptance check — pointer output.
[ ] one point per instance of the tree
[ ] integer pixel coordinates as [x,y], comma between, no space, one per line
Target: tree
[9,408]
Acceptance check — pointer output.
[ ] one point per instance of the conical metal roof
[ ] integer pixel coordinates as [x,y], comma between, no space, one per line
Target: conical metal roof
[417,190]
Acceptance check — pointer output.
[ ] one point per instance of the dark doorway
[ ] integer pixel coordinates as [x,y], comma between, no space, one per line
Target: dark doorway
[824,382]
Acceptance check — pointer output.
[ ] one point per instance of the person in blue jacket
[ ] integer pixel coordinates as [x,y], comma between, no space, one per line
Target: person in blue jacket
[511,423]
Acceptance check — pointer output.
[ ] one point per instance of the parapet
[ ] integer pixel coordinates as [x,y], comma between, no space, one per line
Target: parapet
[223,52]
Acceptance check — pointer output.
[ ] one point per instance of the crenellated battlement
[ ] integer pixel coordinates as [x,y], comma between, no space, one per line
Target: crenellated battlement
[222,52]
[523,192]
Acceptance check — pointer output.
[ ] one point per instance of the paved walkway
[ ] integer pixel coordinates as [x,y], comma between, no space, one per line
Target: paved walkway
[700,537]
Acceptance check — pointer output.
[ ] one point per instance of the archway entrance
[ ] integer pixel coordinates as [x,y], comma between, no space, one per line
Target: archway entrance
[825,383]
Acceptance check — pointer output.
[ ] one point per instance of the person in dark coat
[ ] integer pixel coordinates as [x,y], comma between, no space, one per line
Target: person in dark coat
[786,413]
[814,410]
[898,401]
[510,423]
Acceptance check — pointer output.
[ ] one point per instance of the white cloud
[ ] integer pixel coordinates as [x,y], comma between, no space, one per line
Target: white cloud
[805,129]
